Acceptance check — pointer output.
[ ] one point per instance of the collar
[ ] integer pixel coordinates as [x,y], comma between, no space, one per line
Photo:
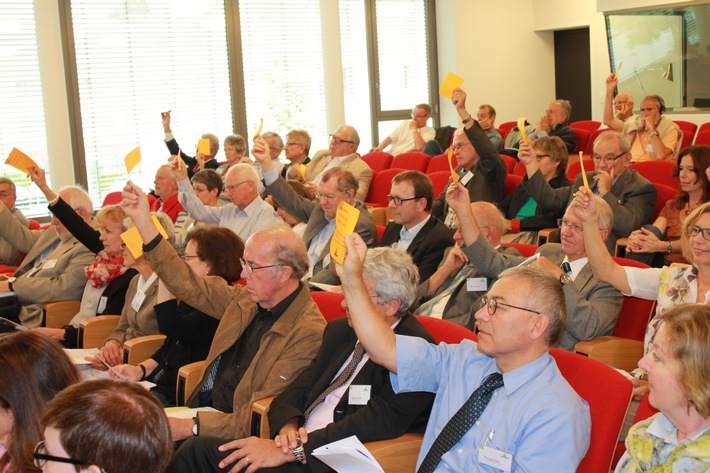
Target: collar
[253,207]
[522,375]
[279,309]
[416,228]
[662,428]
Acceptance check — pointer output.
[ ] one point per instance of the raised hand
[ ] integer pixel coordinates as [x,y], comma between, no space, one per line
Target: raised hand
[584,206]
[457,197]
[135,201]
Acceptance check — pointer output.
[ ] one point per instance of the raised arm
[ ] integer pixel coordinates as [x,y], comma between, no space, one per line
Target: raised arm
[376,336]
[610,119]
[603,266]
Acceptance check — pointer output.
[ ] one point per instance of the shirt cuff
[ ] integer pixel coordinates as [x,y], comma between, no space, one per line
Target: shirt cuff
[271,176]
[515,226]
[169,137]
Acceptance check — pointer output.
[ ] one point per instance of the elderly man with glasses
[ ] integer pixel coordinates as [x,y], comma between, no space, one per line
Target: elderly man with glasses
[336,185]
[270,329]
[480,167]
[500,404]
[631,197]
[592,306]
[342,153]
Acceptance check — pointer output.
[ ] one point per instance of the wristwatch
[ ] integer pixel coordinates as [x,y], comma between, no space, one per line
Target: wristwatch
[565,279]
[9,283]
[195,426]
[655,133]
[466,120]
[298,451]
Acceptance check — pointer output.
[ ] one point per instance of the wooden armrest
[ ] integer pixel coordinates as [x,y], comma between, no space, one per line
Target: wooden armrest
[621,245]
[188,378]
[57,314]
[259,420]
[141,348]
[546,235]
[381,215]
[621,353]
[398,455]
[94,330]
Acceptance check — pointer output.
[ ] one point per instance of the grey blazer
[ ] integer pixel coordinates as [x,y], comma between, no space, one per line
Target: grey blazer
[632,200]
[592,306]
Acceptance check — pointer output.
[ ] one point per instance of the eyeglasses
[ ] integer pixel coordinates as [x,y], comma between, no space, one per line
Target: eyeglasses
[459,146]
[418,116]
[338,141]
[234,187]
[41,457]
[491,304]
[6,194]
[295,144]
[399,200]
[562,223]
[189,257]
[607,159]
[693,230]
[328,197]
[250,268]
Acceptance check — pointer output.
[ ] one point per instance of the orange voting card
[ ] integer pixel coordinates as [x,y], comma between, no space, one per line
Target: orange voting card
[133,239]
[132,159]
[20,161]
[584,173]
[451,81]
[345,221]
[521,126]
[203,146]
[450,155]
[261,126]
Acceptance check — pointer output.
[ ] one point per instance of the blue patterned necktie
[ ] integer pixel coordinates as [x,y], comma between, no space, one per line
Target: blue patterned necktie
[461,422]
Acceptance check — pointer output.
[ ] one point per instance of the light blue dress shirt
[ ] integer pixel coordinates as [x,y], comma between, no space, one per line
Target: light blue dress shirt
[536,416]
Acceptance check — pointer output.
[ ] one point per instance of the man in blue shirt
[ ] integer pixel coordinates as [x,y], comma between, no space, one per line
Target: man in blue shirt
[534,422]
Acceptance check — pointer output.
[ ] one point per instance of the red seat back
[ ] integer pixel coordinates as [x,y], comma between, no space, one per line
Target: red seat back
[510,162]
[587,125]
[439,179]
[635,312]
[445,331]
[380,186]
[507,126]
[512,181]
[378,160]
[380,231]
[412,160]
[525,249]
[583,137]
[592,137]
[34,224]
[440,162]
[608,394]
[658,172]
[112,198]
[665,194]
[575,168]
[703,137]
[520,169]
[329,304]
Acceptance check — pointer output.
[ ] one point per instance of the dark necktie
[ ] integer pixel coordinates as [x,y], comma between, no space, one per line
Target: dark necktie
[566,268]
[461,422]
[341,379]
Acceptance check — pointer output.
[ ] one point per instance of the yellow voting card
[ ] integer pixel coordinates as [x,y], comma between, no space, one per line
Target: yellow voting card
[132,159]
[521,126]
[302,171]
[133,239]
[584,173]
[451,81]
[345,221]
[450,155]
[20,161]
[203,146]
[261,126]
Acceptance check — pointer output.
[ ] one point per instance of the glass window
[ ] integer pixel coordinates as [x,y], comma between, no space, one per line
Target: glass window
[137,59]
[22,122]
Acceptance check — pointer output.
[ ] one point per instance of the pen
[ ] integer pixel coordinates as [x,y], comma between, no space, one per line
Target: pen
[110,368]
[490,437]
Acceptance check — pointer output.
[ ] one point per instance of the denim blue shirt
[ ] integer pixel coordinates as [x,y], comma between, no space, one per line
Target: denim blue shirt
[536,416]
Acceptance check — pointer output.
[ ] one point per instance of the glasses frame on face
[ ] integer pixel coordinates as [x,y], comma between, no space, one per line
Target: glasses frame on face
[419,117]
[233,188]
[693,230]
[187,258]
[294,144]
[41,459]
[596,158]
[250,269]
[562,223]
[329,198]
[399,200]
[491,304]
[459,146]
[339,141]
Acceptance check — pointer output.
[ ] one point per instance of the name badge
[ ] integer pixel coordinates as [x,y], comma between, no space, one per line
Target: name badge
[138,301]
[359,394]
[649,148]
[476,284]
[495,458]
[102,305]
[49,264]
[464,180]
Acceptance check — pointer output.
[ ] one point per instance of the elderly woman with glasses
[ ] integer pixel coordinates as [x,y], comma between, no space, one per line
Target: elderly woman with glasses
[104,426]
[668,286]
[210,250]
[32,370]
[678,365]
[523,216]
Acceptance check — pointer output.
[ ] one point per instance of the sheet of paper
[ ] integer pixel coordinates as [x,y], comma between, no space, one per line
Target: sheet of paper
[132,159]
[87,373]
[78,355]
[450,155]
[345,221]
[133,239]
[325,287]
[20,161]
[348,455]
[521,126]
[203,146]
[451,81]
[184,412]
[584,173]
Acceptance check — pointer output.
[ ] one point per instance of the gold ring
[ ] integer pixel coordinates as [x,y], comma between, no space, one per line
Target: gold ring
[247,459]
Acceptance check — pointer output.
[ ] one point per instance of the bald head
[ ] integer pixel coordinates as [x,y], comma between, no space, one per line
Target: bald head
[489,220]
[286,246]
